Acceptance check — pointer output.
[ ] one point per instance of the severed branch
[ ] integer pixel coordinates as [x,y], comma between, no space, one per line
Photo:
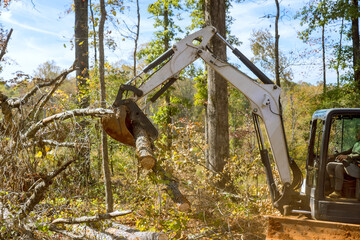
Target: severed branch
[62,116]
[57,144]
[50,93]
[39,191]
[16,102]
[3,50]
[95,218]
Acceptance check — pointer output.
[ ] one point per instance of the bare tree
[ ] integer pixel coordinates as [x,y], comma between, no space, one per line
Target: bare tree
[104,142]
[277,67]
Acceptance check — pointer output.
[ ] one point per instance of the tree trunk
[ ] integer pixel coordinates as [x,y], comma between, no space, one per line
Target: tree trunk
[82,50]
[117,231]
[137,35]
[105,155]
[217,108]
[356,45]
[339,53]
[94,32]
[82,75]
[167,94]
[323,56]
[277,68]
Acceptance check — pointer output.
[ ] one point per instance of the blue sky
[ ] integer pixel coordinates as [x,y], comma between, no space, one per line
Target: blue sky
[42,29]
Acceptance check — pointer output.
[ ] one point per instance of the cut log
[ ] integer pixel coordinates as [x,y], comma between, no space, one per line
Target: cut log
[144,148]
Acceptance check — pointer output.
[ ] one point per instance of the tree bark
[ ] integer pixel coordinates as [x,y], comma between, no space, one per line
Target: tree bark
[82,76]
[104,142]
[217,108]
[3,50]
[168,131]
[82,50]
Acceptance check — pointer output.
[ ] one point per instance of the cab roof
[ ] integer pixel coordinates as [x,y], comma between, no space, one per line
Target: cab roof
[323,113]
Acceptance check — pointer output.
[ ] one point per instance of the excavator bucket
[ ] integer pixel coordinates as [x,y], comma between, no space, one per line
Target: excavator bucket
[296,229]
[118,125]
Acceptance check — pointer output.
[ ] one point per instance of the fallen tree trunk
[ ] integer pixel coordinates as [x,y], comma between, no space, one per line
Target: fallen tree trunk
[118,232]
[95,218]
[132,233]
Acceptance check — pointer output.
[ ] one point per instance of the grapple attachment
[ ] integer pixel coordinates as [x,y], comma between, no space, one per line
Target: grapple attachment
[118,125]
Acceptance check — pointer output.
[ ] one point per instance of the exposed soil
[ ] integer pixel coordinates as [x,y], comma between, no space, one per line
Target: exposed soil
[294,228]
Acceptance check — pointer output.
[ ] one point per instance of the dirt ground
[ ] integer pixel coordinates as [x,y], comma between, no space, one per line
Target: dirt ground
[295,228]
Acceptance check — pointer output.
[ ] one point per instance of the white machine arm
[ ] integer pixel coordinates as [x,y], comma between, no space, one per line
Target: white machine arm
[264,98]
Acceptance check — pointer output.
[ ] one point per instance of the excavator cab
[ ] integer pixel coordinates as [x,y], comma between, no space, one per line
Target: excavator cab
[333,132]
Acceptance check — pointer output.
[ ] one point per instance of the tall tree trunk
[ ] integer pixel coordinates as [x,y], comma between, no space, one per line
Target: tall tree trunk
[94,32]
[277,68]
[82,75]
[339,53]
[217,108]
[356,44]
[167,95]
[137,35]
[82,50]
[105,155]
[323,56]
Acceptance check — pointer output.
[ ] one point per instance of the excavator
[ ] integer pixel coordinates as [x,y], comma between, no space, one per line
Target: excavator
[332,131]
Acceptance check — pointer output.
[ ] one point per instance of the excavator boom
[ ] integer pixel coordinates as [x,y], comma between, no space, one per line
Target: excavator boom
[263,97]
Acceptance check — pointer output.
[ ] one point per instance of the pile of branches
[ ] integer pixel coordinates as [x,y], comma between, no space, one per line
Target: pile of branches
[28,128]
[25,128]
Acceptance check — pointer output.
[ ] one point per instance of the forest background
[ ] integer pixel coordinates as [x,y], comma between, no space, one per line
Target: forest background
[53,147]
